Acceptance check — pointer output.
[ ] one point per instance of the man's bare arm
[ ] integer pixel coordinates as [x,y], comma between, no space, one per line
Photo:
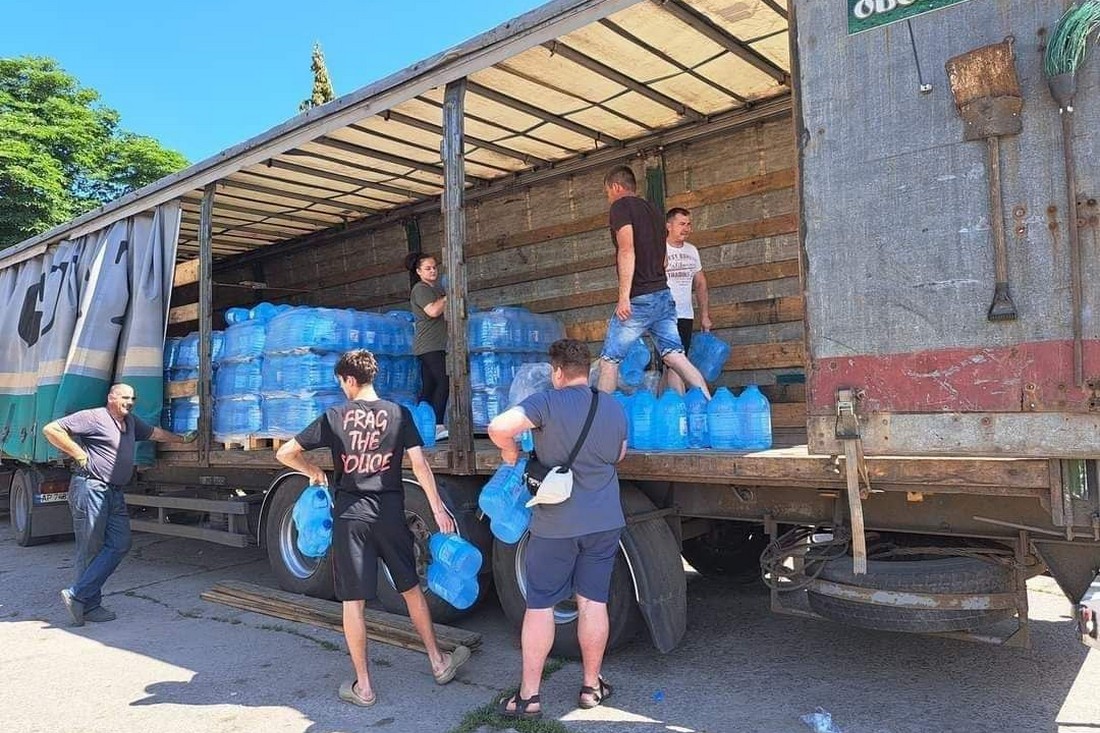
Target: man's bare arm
[291,455]
[59,438]
[624,257]
[703,295]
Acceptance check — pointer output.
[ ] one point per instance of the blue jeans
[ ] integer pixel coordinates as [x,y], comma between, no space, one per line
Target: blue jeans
[102,528]
[654,313]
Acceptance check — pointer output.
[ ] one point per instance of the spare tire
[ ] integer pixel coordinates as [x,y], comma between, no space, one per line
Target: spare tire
[941,575]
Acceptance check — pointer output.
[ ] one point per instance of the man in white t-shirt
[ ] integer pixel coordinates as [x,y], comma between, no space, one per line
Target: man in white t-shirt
[684,270]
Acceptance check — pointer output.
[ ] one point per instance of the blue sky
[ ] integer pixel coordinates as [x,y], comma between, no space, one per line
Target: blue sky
[202,76]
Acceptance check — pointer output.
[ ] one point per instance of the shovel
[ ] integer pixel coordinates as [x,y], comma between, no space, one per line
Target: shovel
[987,96]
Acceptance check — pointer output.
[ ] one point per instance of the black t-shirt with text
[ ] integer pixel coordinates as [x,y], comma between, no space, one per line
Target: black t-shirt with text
[368,441]
[649,243]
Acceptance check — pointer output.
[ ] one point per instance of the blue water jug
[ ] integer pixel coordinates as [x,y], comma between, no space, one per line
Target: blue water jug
[187,355]
[236,315]
[238,416]
[424,417]
[632,368]
[263,312]
[238,378]
[312,515]
[709,354]
[526,441]
[722,422]
[509,526]
[672,421]
[503,499]
[458,590]
[754,414]
[455,553]
[626,402]
[184,415]
[244,340]
[643,416]
[696,403]
[171,351]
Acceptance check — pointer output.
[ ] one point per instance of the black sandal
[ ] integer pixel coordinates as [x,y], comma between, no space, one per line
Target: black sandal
[601,692]
[520,712]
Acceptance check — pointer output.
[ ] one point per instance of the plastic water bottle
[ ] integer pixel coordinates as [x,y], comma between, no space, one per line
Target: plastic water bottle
[236,315]
[626,402]
[527,441]
[503,499]
[754,414]
[672,421]
[510,526]
[722,422]
[312,515]
[632,368]
[424,417]
[263,312]
[455,554]
[244,340]
[643,416]
[696,404]
[708,353]
[458,590]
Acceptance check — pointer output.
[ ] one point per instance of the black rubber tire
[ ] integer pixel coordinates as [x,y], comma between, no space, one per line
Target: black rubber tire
[730,550]
[956,575]
[21,502]
[293,571]
[624,616]
[422,523]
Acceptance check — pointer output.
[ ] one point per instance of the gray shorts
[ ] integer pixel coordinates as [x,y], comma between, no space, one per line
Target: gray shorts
[556,568]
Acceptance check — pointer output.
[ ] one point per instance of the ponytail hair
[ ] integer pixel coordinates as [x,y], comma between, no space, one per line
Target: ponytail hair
[412,263]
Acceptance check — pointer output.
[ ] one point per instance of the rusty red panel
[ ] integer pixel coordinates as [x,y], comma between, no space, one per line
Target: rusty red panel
[1027,376]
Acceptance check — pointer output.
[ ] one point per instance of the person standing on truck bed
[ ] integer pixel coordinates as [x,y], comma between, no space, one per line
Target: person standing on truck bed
[428,302]
[368,438]
[645,303]
[101,443]
[573,544]
[684,270]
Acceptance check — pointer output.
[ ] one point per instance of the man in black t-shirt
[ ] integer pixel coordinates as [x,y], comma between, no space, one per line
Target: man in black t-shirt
[368,438]
[645,303]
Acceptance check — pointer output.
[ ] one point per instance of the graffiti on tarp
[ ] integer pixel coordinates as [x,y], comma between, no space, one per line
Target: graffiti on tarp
[866,14]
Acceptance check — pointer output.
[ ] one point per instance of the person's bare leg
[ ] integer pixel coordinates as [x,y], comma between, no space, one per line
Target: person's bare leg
[609,376]
[421,619]
[672,381]
[679,363]
[592,632]
[355,634]
[536,639]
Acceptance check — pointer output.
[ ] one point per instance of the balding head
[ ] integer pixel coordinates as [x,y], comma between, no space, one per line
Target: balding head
[120,400]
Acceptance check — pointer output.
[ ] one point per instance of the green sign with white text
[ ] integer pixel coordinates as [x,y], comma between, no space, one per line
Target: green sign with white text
[866,14]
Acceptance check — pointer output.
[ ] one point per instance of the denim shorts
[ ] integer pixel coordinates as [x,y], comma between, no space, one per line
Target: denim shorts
[653,313]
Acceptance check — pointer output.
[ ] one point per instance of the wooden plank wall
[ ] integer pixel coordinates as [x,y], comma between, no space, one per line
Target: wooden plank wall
[548,247]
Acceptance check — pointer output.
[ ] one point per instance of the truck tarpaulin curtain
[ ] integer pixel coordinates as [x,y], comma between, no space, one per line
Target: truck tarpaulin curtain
[87,313]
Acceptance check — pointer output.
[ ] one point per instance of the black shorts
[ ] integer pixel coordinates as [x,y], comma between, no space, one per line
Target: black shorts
[558,568]
[358,545]
[684,326]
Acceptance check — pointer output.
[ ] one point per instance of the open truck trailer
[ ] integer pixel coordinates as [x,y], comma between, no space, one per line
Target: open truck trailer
[927,459]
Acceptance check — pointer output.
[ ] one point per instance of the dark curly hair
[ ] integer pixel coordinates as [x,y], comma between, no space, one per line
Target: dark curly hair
[571,356]
[359,364]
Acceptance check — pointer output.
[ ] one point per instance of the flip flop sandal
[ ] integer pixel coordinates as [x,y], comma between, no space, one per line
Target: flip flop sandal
[459,656]
[348,693]
[599,693]
[520,711]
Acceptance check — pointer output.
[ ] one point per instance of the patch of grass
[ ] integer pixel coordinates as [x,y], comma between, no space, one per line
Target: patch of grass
[486,715]
[553,664]
[323,643]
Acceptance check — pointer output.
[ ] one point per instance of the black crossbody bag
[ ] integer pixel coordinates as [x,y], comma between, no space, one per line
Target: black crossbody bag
[536,471]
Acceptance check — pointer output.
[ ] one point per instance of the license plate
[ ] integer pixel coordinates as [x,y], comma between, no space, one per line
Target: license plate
[51,498]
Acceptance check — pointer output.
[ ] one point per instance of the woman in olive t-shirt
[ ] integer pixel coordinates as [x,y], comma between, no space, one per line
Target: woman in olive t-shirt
[428,301]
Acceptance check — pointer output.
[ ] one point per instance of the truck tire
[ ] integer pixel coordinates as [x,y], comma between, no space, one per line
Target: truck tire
[624,617]
[21,515]
[956,575]
[294,571]
[422,524]
[730,550]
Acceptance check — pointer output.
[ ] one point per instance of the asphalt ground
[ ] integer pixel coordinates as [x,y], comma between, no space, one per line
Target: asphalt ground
[173,662]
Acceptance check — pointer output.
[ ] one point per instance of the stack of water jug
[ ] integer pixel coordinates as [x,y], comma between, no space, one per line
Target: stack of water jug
[503,499]
[312,515]
[672,422]
[452,573]
[181,363]
[501,341]
[273,367]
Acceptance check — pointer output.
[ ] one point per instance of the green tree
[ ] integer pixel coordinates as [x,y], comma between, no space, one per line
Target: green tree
[322,86]
[62,152]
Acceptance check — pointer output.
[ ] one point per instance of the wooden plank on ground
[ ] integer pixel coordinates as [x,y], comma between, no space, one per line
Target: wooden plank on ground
[381,626]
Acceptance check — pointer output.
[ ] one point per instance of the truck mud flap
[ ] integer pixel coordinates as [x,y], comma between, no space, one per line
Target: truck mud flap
[653,555]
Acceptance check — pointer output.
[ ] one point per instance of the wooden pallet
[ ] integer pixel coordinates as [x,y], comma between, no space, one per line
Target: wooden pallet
[381,626]
[249,444]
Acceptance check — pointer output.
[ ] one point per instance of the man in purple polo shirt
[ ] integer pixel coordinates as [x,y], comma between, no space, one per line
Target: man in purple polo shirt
[101,443]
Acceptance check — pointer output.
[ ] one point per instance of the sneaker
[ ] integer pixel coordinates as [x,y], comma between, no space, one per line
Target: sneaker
[76,608]
[99,614]
[441,432]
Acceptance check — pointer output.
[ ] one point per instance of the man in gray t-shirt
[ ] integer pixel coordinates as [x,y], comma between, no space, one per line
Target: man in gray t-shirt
[573,545]
[101,443]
